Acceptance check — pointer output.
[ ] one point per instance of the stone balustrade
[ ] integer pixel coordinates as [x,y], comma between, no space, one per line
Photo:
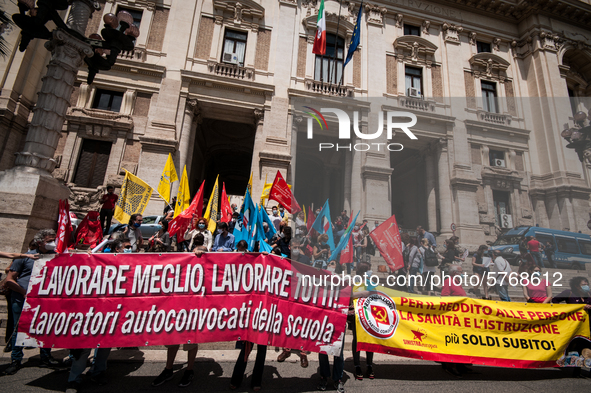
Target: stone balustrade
[231,70]
[417,104]
[329,89]
[494,118]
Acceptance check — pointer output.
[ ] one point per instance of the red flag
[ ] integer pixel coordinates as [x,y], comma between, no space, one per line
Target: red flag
[386,237]
[347,253]
[281,193]
[380,314]
[90,230]
[225,208]
[182,221]
[64,227]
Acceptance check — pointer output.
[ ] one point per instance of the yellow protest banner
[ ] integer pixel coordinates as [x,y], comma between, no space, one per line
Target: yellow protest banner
[466,330]
[211,213]
[135,195]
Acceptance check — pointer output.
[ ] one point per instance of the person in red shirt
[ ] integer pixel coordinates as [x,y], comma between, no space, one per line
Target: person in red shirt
[534,249]
[109,201]
[450,288]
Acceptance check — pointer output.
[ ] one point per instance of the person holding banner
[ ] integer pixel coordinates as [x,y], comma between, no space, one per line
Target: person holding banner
[134,233]
[200,224]
[503,270]
[17,281]
[537,292]
[360,292]
[416,258]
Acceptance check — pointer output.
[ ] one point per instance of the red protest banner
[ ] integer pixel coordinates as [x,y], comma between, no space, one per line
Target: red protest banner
[114,300]
[281,193]
[386,237]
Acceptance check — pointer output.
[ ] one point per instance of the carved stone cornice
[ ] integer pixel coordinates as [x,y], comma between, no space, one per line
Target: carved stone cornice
[415,49]
[451,32]
[238,11]
[485,63]
[375,14]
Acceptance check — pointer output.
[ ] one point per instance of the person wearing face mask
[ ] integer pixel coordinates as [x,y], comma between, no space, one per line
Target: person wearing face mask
[321,252]
[537,293]
[283,214]
[297,254]
[160,241]
[134,232]
[233,221]
[200,225]
[17,281]
[283,242]
[275,218]
[224,241]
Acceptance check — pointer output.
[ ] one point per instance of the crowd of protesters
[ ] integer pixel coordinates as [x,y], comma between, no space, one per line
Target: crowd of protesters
[420,254]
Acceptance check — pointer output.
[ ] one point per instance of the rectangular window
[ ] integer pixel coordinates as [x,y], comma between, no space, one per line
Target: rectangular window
[496,158]
[543,238]
[502,209]
[234,47]
[136,14]
[107,100]
[567,245]
[489,96]
[92,164]
[412,30]
[483,47]
[329,68]
[585,246]
[413,78]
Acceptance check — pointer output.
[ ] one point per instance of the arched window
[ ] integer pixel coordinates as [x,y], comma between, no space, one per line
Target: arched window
[329,68]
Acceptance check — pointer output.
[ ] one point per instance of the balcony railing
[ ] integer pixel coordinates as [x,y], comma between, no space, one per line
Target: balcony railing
[494,118]
[230,70]
[138,54]
[329,89]
[417,104]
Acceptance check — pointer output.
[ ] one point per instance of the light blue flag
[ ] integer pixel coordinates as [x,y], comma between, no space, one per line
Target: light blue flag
[256,229]
[247,213]
[344,239]
[322,224]
[265,218]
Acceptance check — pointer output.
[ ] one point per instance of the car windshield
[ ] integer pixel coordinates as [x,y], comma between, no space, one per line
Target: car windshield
[507,240]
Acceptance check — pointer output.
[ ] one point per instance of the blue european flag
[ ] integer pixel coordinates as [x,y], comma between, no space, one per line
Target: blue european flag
[356,34]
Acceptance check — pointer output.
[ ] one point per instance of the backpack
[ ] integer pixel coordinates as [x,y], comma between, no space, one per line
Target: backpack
[431,257]
[523,246]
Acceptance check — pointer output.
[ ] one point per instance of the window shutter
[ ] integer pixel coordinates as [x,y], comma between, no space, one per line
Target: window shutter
[92,164]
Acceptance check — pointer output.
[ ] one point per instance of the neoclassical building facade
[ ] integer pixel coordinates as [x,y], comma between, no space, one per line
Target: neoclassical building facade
[492,85]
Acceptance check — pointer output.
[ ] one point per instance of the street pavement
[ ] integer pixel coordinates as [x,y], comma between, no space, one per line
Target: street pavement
[132,370]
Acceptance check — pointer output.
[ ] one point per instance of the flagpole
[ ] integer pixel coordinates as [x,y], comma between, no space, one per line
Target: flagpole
[336,42]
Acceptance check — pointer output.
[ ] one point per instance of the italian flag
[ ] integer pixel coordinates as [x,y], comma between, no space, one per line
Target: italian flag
[320,39]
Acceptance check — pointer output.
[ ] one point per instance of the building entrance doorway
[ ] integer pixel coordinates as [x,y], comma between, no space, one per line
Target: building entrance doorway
[409,199]
[222,148]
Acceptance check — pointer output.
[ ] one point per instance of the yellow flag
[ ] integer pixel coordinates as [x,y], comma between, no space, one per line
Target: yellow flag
[168,176]
[305,216]
[135,195]
[212,207]
[249,185]
[183,196]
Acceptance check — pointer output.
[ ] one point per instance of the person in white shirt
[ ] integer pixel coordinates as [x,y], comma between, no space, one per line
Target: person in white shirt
[275,218]
[503,270]
[200,227]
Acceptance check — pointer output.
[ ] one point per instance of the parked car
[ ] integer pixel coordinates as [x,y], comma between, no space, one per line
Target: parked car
[571,250]
[148,228]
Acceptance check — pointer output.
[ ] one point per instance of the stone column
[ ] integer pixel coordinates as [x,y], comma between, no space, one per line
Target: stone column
[445,206]
[29,194]
[258,166]
[187,137]
[431,189]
